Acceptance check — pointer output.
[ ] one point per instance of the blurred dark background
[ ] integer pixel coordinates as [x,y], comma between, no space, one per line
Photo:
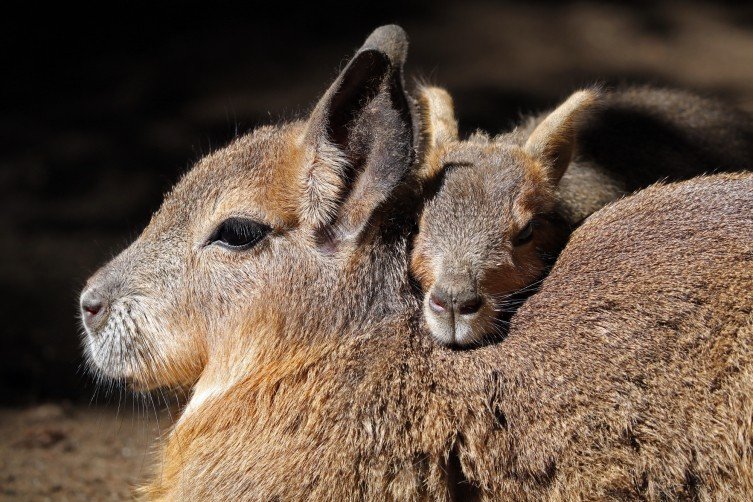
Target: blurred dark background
[103,109]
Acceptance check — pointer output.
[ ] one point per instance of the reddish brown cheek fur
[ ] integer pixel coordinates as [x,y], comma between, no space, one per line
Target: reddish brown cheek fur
[505,280]
[535,198]
[420,265]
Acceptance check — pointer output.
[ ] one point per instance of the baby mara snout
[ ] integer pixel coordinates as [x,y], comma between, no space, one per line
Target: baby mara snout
[454,310]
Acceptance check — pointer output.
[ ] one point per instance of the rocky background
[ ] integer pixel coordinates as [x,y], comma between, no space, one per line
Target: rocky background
[102,110]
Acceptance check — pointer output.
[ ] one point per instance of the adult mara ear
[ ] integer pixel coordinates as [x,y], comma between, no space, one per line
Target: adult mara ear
[554,141]
[361,134]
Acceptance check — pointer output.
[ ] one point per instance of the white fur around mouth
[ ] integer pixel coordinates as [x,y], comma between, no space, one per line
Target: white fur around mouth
[467,330]
[114,348]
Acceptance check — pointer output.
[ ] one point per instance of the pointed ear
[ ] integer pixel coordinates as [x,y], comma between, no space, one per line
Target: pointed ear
[438,127]
[438,121]
[554,141]
[361,134]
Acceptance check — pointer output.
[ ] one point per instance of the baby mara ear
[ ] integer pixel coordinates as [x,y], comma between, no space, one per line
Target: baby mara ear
[438,127]
[361,133]
[554,141]
[439,124]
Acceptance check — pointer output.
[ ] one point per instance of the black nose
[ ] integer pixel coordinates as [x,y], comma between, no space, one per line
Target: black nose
[467,302]
[460,303]
[92,307]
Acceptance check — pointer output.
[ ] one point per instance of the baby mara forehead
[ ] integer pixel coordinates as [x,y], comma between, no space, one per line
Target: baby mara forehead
[486,193]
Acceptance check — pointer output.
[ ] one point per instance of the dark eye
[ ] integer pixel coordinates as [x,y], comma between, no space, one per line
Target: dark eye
[239,234]
[525,234]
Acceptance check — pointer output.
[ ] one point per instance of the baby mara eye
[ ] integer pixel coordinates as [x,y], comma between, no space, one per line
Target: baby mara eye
[239,234]
[525,234]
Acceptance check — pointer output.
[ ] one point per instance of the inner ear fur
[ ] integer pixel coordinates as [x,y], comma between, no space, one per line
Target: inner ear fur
[362,136]
[553,142]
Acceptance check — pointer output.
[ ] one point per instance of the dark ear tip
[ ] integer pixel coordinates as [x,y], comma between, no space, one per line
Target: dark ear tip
[390,39]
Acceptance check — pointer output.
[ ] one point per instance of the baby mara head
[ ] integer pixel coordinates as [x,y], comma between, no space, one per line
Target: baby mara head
[491,226]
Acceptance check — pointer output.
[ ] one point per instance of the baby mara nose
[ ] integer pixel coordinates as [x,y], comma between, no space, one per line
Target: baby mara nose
[442,302]
[93,308]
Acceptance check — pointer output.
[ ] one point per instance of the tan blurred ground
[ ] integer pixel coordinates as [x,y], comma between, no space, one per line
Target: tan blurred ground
[62,452]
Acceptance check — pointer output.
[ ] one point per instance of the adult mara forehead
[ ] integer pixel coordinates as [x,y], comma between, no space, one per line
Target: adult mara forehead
[257,174]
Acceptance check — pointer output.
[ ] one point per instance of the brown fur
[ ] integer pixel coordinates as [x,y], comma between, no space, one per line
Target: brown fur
[527,176]
[311,376]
